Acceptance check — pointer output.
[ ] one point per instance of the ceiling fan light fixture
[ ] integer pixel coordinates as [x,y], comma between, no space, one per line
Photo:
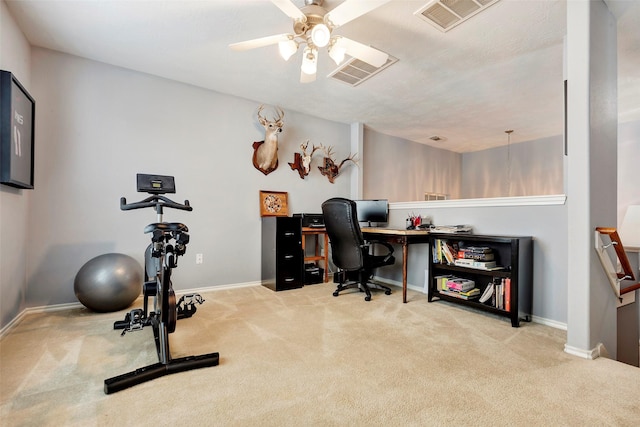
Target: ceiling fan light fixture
[337,51]
[320,35]
[287,49]
[309,61]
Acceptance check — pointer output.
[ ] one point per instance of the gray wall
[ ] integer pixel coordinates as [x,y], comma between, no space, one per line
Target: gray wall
[15,57]
[96,127]
[531,168]
[628,161]
[401,170]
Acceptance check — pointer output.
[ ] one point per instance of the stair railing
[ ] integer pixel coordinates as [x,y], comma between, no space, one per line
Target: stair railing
[612,240]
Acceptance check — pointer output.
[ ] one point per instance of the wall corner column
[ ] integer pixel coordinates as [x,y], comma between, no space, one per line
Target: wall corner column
[591,67]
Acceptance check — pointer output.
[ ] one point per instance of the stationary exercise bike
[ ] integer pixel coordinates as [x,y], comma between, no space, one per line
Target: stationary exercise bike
[168,242]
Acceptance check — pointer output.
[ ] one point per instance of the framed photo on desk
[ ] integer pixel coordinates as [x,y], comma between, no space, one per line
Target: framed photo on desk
[17,126]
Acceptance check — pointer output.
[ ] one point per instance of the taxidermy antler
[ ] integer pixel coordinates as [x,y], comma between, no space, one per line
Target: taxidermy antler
[330,170]
[302,162]
[265,153]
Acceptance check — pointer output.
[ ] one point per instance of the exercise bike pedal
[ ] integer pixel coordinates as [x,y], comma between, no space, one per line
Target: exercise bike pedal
[187,305]
[133,321]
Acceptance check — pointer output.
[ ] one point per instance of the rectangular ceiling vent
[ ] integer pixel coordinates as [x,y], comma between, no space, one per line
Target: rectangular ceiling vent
[354,71]
[446,14]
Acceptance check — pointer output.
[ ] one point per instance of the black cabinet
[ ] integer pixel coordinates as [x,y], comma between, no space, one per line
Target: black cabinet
[504,289]
[282,255]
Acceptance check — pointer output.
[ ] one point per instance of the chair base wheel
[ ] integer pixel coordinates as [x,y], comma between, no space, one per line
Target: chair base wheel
[335,293]
[367,298]
[387,292]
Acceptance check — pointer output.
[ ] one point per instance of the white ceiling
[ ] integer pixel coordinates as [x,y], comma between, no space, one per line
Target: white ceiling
[500,70]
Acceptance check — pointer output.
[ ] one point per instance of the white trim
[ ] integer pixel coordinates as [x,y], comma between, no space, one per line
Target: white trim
[218,287]
[548,322]
[68,306]
[594,353]
[42,309]
[557,199]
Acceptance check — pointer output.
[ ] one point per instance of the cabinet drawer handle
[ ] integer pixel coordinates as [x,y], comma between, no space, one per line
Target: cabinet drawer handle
[289,233]
[289,279]
[288,257]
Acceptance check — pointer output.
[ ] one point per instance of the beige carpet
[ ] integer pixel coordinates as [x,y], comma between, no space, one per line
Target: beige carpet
[305,358]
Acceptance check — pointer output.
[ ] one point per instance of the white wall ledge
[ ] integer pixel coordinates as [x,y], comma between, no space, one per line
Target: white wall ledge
[556,199]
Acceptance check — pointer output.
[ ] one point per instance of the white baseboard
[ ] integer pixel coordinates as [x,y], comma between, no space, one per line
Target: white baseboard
[594,353]
[69,306]
[548,322]
[42,309]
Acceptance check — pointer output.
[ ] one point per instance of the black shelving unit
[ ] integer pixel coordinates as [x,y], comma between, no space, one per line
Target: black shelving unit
[513,253]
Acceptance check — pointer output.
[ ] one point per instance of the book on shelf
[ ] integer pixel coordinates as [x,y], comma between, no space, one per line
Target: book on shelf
[441,281]
[507,294]
[475,292]
[488,293]
[447,252]
[452,229]
[437,251]
[478,256]
[471,263]
[458,284]
[471,294]
[479,249]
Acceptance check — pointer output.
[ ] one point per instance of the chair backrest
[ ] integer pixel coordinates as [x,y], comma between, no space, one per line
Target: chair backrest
[345,236]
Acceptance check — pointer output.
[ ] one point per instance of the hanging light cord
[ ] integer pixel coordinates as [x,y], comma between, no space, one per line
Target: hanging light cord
[509,132]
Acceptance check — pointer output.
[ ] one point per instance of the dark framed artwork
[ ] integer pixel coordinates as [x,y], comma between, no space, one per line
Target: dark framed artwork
[17,132]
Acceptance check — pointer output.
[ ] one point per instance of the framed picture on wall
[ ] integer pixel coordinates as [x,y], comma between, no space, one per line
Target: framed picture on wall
[273,203]
[17,126]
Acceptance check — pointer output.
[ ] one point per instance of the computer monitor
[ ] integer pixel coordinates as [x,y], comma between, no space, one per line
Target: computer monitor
[373,211]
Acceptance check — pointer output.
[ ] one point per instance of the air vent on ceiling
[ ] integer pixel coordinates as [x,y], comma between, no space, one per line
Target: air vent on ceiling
[446,14]
[354,71]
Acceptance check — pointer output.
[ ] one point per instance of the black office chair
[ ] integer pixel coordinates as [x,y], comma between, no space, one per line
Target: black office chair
[348,250]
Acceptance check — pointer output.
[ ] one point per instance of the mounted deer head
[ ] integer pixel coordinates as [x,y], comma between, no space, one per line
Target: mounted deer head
[329,168]
[302,162]
[265,153]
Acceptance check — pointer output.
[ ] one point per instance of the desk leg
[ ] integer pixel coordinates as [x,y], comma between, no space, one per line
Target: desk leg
[405,253]
[326,257]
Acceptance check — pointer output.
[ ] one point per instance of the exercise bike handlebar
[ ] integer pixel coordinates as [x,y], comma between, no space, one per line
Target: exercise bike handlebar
[157,202]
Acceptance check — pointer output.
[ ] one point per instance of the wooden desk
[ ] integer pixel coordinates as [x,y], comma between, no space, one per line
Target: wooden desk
[401,237]
[318,254]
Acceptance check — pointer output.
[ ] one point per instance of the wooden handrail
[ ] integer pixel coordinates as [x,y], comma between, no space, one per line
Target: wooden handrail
[627,271]
[630,289]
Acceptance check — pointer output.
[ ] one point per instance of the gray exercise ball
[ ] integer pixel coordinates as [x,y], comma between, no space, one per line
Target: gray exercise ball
[108,282]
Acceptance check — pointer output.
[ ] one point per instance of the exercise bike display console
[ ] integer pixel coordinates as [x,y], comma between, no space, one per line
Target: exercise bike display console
[168,242]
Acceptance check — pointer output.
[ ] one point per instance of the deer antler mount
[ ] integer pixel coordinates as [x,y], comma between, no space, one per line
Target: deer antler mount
[265,153]
[329,168]
[302,161]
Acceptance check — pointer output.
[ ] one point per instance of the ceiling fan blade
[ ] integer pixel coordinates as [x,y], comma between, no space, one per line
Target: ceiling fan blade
[307,78]
[350,10]
[290,9]
[364,53]
[263,41]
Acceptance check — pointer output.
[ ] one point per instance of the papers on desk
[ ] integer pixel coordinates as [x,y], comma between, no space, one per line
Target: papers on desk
[450,229]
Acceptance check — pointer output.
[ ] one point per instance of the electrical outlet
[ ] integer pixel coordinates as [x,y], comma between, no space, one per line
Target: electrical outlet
[199,259]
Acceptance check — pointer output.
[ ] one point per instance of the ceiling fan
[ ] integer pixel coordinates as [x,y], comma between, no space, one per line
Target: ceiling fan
[313,26]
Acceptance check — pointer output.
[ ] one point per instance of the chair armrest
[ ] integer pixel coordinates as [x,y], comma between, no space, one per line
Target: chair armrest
[382,243]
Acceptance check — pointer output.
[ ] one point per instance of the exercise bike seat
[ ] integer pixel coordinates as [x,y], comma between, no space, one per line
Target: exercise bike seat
[166,226]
